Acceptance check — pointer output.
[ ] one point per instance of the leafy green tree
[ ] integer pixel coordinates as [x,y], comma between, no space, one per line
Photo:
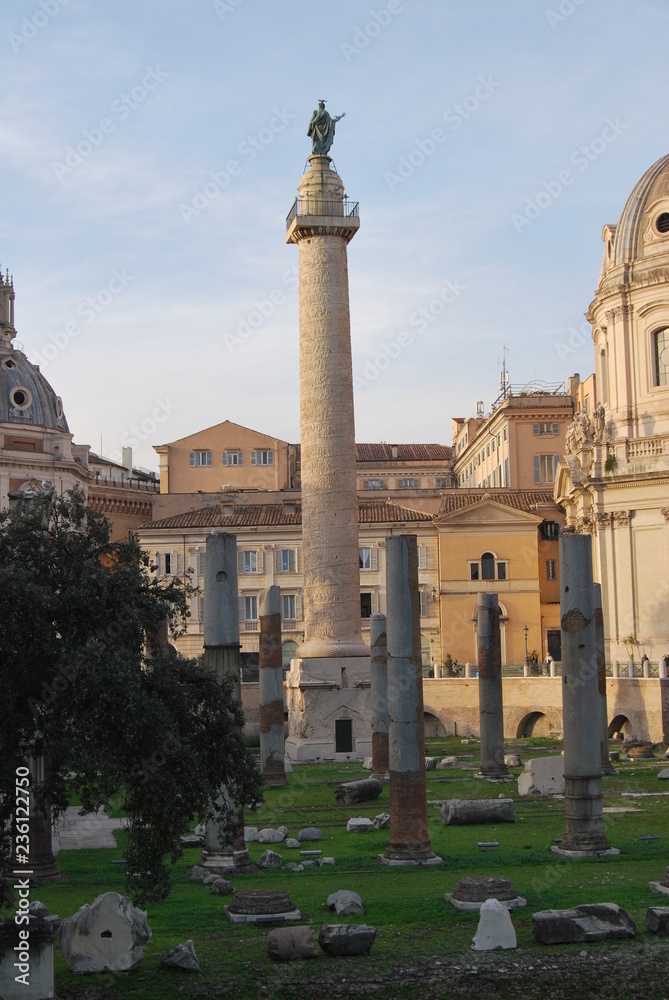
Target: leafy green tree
[85,684]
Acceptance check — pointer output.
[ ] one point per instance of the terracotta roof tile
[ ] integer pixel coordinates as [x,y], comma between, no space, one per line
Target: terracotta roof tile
[383,452]
[459,498]
[269,514]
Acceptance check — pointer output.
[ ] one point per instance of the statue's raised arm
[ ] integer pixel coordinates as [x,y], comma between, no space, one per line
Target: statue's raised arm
[322,130]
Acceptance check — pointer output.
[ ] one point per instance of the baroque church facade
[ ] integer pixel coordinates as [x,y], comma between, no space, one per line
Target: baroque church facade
[614,478]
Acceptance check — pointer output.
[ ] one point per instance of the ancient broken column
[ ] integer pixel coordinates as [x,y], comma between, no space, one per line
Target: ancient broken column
[490,686]
[333,657]
[41,864]
[581,704]
[377,640]
[223,851]
[607,766]
[409,842]
[271,690]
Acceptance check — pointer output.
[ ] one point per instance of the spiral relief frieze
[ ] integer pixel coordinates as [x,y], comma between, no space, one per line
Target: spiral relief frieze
[327,431]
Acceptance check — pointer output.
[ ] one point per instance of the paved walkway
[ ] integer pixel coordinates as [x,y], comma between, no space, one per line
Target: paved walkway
[75,831]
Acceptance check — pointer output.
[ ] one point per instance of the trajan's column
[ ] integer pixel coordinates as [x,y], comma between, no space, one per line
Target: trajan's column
[328,687]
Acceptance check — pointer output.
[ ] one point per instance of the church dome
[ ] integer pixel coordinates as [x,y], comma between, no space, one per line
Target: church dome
[643,227]
[25,395]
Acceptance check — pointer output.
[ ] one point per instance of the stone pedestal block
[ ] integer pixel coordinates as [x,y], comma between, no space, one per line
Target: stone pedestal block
[542,776]
[109,933]
[589,922]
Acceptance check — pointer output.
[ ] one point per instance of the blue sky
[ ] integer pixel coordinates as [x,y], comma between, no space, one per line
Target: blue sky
[150,151]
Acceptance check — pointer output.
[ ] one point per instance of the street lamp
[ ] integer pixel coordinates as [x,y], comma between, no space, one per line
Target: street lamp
[527,659]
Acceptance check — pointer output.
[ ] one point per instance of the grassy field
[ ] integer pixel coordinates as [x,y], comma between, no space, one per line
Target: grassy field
[406,905]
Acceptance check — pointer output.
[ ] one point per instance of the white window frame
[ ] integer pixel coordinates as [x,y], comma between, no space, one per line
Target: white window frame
[371,564]
[375,484]
[408,483]
[250,605]
[289,602]
[262,456]
[249,562]
[286,565]
[233,458]
[200,459]
[541,468]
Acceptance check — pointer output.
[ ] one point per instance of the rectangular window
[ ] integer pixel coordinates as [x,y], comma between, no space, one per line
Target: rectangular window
[550,530]
[545,428]
[507,473]
[288,607]
[473,571]
[375,484]
[262,457]
[251,608]
[233,458]
[248,562]
[422,595]
[407,484]
[285,560]
[442,483]
[366,605]
[368,558]
[167,562]
[551,569]
[198,458]
[544,468]
[501,571]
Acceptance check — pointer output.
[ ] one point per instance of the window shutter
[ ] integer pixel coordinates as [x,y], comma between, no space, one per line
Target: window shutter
[192,560]
[157,563]
[298,607]
[242,609]
[375,602]
[422,556]
[277,560]
[202,562]
[374,557]
[180,563]
[240,561]
[423,603]
[537,468]
[260,560]
[253,458]
[556,459]
[298,559]
[225,458]
[202,608]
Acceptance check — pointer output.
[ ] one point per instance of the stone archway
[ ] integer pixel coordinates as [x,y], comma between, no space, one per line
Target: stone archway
[533,724]
[620,724]
[433,726]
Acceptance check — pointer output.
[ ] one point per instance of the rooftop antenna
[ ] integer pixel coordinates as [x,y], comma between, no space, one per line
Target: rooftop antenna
[504,375]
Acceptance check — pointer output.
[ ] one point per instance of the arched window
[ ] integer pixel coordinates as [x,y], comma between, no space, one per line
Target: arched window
[487,566]
[661,357]
[604,393]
